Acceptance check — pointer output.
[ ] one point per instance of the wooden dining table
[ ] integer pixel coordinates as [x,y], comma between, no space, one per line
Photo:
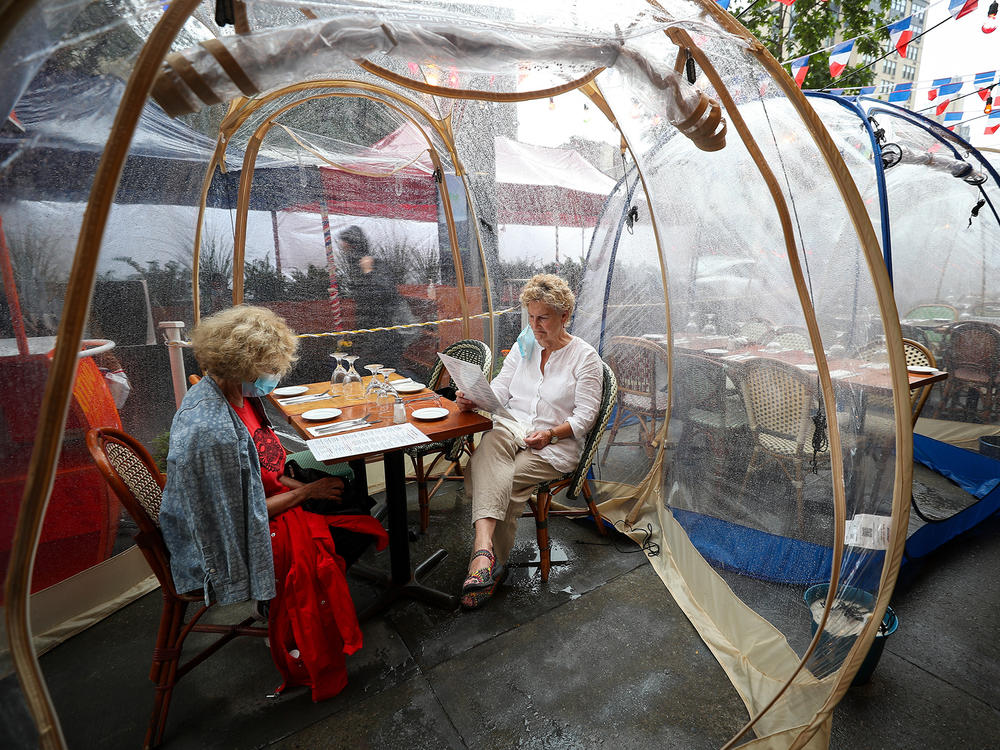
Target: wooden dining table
[402,580]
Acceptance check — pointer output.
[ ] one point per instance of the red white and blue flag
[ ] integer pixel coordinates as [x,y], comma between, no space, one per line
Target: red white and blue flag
[866,90]
[984,79]
[839,56]
[901,92]
[953,87]
[900,34]
[991,129]
[953,116]
[942,106]
[959,8]
[800,68]
[933,91]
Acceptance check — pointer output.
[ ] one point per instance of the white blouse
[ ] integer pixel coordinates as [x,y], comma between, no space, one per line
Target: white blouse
[569,391]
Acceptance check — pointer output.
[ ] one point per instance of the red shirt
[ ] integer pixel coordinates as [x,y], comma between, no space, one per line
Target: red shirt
[270,451]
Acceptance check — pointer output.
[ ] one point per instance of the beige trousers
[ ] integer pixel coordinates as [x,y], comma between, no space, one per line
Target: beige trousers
[500,479]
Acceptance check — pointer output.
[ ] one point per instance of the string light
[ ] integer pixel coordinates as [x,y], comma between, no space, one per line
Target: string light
[989,105]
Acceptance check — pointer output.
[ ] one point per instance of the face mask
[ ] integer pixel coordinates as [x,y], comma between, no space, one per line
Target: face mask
[261,386]
[526,342]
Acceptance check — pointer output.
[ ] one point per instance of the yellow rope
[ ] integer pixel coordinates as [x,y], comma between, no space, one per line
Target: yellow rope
[406,325]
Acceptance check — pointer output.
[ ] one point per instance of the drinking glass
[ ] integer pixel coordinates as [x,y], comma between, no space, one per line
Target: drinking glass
[338,375]
[352,380]
[710,329]
[692,324]
[372,390]
[386,394]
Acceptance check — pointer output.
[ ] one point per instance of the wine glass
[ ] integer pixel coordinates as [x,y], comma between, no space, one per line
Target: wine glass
[352,380]
[386,394]
[692,324]
[338,375]
[372,391]
[710,329]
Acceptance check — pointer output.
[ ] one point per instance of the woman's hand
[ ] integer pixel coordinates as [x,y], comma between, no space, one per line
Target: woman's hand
[463,403]
[538,439]
[327,487]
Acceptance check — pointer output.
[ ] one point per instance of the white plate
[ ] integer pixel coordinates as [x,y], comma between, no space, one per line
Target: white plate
[410,387]
[290,390]
[320,415]
[716,351]
[921,369]
[654,336]
[430,412]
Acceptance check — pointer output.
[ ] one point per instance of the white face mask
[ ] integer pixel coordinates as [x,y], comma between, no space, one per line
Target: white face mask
[261,386]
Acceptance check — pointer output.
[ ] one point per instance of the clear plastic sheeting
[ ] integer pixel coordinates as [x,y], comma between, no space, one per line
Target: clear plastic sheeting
[387,175]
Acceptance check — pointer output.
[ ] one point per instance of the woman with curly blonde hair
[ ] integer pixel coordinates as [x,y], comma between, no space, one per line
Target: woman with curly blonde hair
[551,382]
[235,522]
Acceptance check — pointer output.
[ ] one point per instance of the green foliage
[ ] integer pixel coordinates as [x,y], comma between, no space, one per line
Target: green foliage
[262,282]
[40,281]
[313,283]
[159,449]
[169,284]
[811,25]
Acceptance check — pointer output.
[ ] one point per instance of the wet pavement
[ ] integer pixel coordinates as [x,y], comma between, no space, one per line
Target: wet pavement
[600,656]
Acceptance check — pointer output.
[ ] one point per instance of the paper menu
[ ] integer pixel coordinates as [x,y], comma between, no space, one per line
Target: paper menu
[473,384]
[359,443]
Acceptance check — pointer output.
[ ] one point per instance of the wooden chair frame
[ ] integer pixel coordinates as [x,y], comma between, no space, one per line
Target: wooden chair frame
[134,477]
[977,338]
[574,482]
[633,361]
[918,355]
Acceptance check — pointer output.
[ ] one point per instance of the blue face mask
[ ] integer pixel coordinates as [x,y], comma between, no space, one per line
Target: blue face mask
[526,342]
[261,386]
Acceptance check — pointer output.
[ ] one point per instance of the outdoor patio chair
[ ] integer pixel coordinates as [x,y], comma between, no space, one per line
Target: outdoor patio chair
[640,368]
[757,330]
[574,482]
[792,337]
[706,402]
[932,311]
[138,483]
[972,359]
[780,400]
[467,350]
[918,355]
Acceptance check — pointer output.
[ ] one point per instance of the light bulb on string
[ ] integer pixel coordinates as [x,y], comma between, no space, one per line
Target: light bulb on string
[989,105]
[552,103]
[990,24]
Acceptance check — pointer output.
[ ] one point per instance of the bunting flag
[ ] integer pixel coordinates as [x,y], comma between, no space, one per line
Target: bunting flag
[994,115]
[837,92]
[959,8]
[901,92]
[839,56]
[791,2]
[865,90]
[933,91]
[991,129]
[983,79]
[984,94]
[900,35]
[953,116]
[724,4]
[942,106]
[799,69]
[951,88]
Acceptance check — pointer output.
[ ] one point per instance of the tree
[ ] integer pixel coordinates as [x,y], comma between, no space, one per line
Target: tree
[790,32]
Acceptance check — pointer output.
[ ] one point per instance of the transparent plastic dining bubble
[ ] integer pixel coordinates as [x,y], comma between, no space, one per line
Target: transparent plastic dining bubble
[352,380]
[338,375]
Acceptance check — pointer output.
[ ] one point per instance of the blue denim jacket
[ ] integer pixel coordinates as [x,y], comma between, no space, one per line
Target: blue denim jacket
[214,516]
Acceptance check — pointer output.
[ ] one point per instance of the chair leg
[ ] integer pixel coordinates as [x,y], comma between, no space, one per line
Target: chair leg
[422,499]
[614,431]
[598,518]
[542,533]
[166,658]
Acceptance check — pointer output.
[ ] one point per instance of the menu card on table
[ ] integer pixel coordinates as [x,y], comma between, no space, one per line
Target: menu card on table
[366,441]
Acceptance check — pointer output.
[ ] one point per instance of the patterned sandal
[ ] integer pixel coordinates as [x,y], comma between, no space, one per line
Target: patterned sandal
[481,579]
[478,597]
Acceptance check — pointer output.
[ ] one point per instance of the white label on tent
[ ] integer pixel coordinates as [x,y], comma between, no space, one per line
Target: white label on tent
[868,531]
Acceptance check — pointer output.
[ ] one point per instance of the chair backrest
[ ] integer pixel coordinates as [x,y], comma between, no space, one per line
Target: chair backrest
[467,350]
[779,400]
[918,355]
[932,311]
[634,363]
[757,330]
[609,396]
[699,383]
[973,345]
[134,477]
[792,337]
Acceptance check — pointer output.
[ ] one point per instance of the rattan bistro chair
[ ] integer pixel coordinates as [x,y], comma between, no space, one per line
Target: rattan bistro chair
[467,350]
[640,368]
[918,355]
[780,400]
[135,479]
[972,358]
[792,337]
[574,482]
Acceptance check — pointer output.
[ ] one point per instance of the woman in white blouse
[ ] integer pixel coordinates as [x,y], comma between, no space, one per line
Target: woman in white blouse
[551,381]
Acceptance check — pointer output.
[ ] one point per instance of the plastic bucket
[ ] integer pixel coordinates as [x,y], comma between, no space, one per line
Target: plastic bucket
[989,445]
[832,648]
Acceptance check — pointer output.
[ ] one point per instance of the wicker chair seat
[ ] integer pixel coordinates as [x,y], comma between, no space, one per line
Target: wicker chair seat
[634,401]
